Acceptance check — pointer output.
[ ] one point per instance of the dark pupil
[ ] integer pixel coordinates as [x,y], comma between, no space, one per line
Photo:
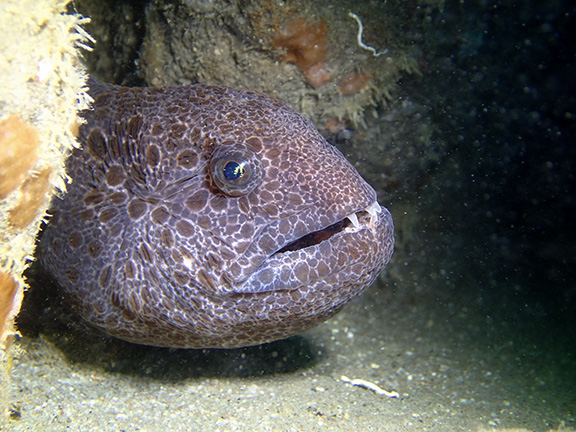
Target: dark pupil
[233,170]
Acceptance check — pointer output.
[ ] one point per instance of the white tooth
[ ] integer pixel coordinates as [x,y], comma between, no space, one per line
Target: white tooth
[374,209]
[354,219]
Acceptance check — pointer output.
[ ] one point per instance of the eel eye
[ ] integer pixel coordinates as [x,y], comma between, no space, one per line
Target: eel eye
[235,171]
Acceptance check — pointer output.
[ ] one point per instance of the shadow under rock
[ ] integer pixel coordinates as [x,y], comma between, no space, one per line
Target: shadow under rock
[45,312]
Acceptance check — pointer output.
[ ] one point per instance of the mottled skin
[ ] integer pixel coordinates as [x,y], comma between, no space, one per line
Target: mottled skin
[151,248]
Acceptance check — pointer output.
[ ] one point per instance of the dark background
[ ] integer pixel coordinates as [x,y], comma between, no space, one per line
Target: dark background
[510,101]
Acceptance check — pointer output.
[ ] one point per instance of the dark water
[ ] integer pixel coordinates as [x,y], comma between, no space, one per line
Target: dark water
[515,117]
[506,93]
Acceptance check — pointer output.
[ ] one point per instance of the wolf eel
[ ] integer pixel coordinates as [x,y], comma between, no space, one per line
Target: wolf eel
[202,216]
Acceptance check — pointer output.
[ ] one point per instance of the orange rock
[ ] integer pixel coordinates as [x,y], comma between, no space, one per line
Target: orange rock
[305,43]
[19,143]
[354,83]
[33,199]
[336,125]
[317,75]
[8,290]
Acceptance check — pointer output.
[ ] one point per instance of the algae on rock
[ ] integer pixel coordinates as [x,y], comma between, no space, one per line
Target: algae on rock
[42,88]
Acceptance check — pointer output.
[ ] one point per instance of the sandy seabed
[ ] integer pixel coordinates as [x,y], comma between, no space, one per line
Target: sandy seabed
[453,366]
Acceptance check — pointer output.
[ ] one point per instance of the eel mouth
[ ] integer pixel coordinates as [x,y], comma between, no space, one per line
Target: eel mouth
[351,223]
[290,266]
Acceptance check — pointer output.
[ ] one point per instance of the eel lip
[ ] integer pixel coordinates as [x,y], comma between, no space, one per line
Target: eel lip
[353,222]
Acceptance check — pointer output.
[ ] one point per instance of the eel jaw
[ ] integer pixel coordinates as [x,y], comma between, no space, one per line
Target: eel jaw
[279,272]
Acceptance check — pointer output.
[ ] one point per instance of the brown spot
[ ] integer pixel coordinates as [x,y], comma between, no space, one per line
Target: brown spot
[151,276]
[214,260]
[267,243]
[105,277]
[266,276]
[266,196]
[118,197]
[129,269]
[116,229]
[72,275]
[185,228]
[134,304]
[167,238]
[160,215]
[115,175]
[95,196]
[157,129]
[115,300]
[19,143]
[33,198]
[273,153]
[246,230]
[107,214]
[295,295]
[86,215]
[243,205]
[187,158]
[271,209]
[97,144]
[322,269]
[295,200]
[207,281]
[284,226]
[75,240]
[134,126]
[177,257]
[137,173]
[254,144]
[195,135]
[128,315]
[136,208]
[218,203]
[301,271]
[146,253]
[177,130]
[94,249]
[153,155]
[181,278]
[114,147]
[197,201]
[225,129]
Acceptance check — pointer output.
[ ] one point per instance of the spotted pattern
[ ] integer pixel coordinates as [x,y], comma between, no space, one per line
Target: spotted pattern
[150,249]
